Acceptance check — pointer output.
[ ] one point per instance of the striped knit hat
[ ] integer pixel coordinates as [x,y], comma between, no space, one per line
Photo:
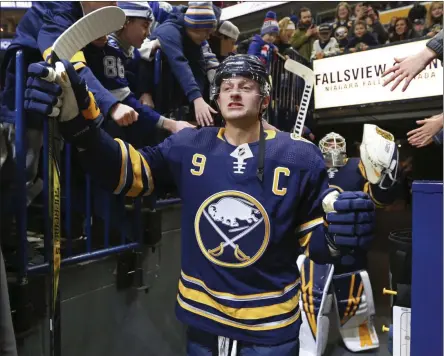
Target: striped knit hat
[270,24]
[200,15]
[136,9]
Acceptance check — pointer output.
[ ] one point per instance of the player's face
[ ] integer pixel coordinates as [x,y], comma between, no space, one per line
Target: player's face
[199,35]
[240,99]
[136,30]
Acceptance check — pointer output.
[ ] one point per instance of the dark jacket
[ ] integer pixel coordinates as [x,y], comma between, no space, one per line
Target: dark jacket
[184,56]
[368,39]
[36,32]
[261,49]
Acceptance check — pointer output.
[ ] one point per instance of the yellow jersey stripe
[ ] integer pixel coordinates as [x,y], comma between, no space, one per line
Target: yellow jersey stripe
[240,298]
[309,224]
[137,185]
[260,327]
[148,174]
[240,313]
[304,240]
[77,57]
[270,134]
[78,66]
[122,179]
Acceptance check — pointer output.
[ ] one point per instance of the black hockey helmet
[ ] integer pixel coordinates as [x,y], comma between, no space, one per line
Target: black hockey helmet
[244,65]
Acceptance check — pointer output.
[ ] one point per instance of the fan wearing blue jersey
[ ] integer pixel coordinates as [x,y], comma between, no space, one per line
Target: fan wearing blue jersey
[109,59]
[250,197]
[346,285]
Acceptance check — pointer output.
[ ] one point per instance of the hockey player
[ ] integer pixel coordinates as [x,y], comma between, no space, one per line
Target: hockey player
[108,62]
[346,283]
[249,197]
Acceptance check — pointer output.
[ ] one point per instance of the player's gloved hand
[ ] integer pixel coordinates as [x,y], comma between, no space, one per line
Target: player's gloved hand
[44,85]
[43,96]
[350,219]
[379,155]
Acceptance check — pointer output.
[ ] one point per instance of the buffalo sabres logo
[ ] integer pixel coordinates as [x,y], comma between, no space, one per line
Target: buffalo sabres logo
[232,229]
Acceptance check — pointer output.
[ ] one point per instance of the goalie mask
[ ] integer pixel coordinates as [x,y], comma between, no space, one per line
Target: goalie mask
[333,149]
[379,155]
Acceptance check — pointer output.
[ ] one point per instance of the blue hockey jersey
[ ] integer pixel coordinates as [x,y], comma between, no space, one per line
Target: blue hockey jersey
[240,237]
[36,32]
[108,65]
[352,177]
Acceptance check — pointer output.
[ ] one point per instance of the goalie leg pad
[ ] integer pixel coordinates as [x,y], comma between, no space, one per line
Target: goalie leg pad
[315,303]
[355,310]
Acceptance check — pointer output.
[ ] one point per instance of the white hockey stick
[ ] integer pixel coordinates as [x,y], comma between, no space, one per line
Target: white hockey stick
[96,24]
[308,75]
[89,28]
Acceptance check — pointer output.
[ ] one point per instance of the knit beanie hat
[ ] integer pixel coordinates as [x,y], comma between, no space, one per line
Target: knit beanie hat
[294,19]
[200,15]
[136,9]
[228,29]
[270,24]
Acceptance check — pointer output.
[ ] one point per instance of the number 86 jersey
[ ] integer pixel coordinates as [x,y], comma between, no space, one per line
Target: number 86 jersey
[108,65]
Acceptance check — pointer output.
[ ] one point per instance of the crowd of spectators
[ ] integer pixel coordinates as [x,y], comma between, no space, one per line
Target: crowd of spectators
[359,28]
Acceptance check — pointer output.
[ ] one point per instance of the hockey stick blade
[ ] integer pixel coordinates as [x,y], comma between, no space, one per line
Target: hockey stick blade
[96,24]
[308,75]
[300,70]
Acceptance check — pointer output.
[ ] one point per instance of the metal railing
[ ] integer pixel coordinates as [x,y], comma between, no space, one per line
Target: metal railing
[131,239]
[287,92]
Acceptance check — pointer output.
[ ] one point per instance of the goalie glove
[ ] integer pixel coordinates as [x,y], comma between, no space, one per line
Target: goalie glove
[349,220]
[379,155]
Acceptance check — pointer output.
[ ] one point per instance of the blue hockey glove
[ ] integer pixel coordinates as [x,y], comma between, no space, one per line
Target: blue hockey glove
[45,86]
[43,95]
[351,224]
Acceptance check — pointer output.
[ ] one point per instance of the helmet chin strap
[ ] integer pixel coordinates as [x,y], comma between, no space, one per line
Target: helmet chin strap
[261,162]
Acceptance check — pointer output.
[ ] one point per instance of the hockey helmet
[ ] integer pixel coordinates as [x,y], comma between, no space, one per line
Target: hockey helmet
[243,65]
[333,149]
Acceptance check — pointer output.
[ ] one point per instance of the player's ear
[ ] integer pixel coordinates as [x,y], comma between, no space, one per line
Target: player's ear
[265,102]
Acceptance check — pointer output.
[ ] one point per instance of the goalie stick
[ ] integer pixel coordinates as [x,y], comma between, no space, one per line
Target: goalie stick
[308,75]
[89,28]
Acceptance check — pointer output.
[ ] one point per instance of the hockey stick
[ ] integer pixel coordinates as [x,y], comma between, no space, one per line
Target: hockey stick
[89,28]
[308,75]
